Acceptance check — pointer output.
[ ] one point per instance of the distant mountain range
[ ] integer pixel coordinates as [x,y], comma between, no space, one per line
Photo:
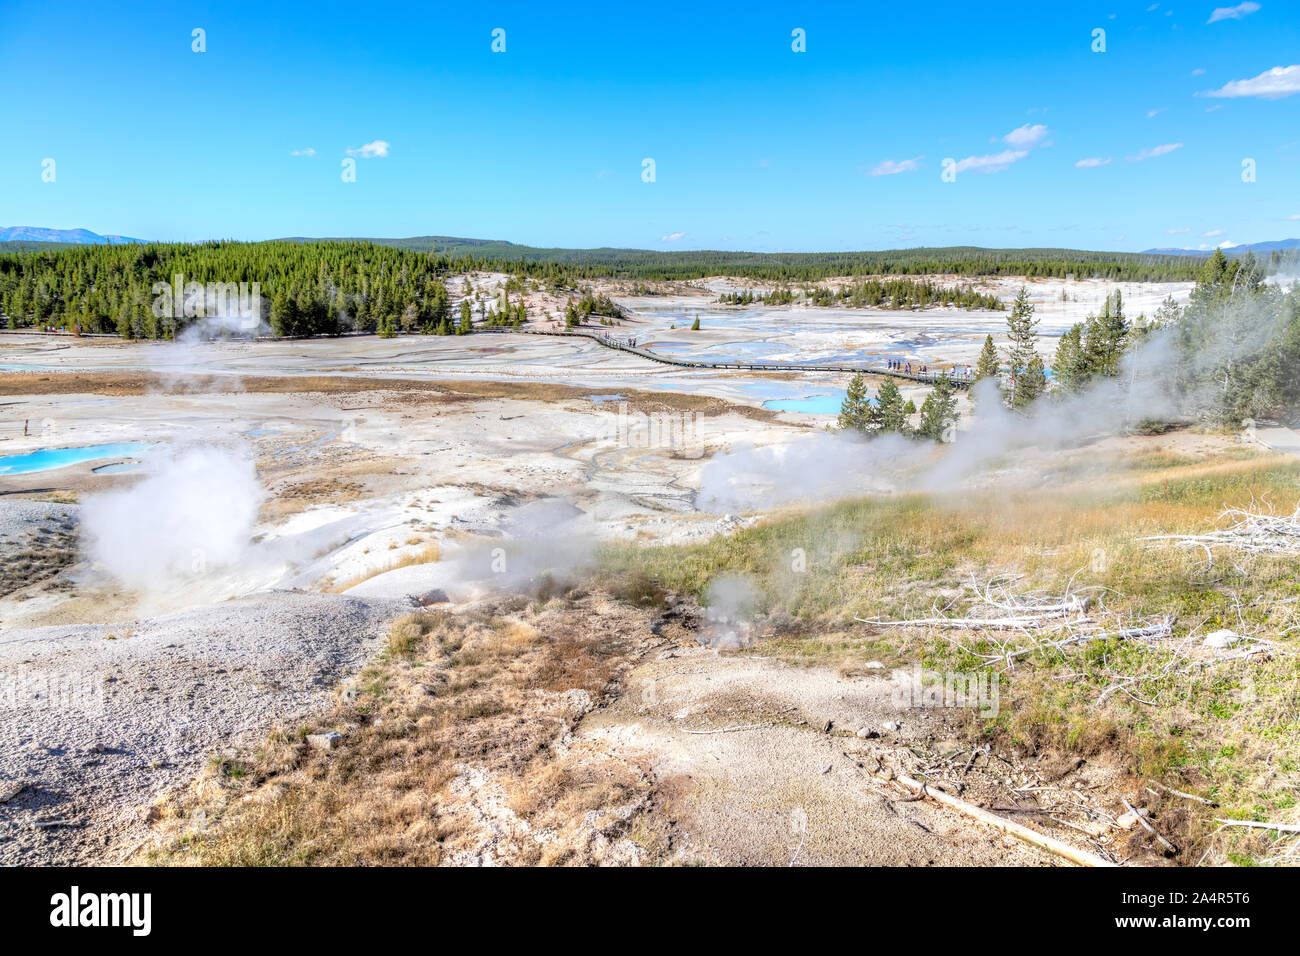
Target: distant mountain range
[1259,248]
[79,237]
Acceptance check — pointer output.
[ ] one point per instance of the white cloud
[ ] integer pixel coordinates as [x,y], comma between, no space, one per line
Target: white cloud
[1198,71]
[1092,162]
[1156,112]
[1270,85]
[1027,136]
[369,151]
[1233,13]
[1154,152]
[1212,233]
[990,164]
[672,237]
[303,152]
[1296,216]
[890,167]
[1175,232]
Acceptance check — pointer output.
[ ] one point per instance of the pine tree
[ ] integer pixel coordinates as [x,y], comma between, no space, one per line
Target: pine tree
[987,366]
[1069,368]
[1105,337]
[1034,380]
[856,411]
[1022,331]
[888,414]
[939,411]
[695,326]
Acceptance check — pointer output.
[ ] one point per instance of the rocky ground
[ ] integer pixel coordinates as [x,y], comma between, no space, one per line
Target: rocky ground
[99,720]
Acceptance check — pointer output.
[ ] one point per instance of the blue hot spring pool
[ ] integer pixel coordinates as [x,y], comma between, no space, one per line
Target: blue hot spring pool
[810,404]
[50,458]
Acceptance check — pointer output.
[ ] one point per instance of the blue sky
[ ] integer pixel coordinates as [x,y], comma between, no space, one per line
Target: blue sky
[755,146]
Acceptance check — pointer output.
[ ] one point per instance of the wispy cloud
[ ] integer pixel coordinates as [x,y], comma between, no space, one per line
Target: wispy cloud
[371,150]
[1154,151]
[672,237]
[1212,233]
[990,164]
[1238,12]
[303,152]
[1270,85]
[1175,232]
[1156,112]
[1027,136]
[1092,162]
[890,167]
[1199,71]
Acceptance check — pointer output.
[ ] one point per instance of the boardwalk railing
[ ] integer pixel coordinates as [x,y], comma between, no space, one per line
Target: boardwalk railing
[610,343]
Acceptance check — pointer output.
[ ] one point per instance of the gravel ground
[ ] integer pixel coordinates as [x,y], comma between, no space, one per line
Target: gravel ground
[758,782]
[96,720]
[37,540]
[19,517]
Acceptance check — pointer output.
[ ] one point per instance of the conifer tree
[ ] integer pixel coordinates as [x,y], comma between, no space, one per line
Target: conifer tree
[987,366]
[1028,380]
[856,411]
[1069,368]
[938,411]
[888,414]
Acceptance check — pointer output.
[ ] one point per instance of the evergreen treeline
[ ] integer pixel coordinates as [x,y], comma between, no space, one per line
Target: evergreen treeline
[1237,344]
[872,293]
[904,294]
[889,414]
[326,287]
[322,288]
[1233,352]
[808,266]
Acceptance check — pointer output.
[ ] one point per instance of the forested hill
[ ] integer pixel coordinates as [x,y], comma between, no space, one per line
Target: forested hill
[326,286]
[801,266]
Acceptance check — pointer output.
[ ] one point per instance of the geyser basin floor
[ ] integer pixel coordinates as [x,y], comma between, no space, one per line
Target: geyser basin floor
[50,458]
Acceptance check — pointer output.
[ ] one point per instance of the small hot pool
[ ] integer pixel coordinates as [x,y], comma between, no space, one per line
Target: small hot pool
[50,458]
[827,404]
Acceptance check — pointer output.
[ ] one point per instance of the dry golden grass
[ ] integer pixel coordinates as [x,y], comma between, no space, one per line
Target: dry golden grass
[453,727]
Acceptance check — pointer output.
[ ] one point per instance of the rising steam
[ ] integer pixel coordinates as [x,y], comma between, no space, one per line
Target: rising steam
[192,513]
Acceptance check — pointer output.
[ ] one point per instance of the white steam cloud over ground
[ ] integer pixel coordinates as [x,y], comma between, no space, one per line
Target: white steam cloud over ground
[192,513]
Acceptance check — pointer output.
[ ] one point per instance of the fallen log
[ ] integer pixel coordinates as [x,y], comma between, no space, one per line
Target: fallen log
[1010,827]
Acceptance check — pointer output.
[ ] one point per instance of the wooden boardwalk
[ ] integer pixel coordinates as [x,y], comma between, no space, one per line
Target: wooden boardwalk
[600,338]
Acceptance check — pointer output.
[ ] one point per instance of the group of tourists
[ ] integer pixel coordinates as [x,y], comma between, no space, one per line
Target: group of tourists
[964,372]
[910,368]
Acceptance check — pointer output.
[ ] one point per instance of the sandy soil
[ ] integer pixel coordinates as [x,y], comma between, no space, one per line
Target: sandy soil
[773,764]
